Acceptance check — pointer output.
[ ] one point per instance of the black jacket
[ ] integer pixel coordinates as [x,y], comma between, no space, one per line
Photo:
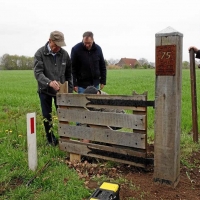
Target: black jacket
[198,54]
[49,68]
[88,66]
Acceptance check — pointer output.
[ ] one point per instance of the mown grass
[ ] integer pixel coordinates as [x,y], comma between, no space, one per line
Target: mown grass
[18,97]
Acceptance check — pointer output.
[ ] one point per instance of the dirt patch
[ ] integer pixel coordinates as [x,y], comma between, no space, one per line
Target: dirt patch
[15,182]
[137,183]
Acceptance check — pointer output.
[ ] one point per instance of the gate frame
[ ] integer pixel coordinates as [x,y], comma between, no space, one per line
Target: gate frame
[74,107]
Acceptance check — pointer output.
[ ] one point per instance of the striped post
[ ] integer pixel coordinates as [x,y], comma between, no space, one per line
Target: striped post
[31,141]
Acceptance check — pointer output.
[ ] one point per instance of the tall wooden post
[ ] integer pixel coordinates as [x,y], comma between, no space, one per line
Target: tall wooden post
[168,106]
[194,96]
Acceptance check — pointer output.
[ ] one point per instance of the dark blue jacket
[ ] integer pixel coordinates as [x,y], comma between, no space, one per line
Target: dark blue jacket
[88,66]
[198,54]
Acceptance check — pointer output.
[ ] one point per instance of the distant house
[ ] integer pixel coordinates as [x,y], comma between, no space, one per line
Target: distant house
[127,62]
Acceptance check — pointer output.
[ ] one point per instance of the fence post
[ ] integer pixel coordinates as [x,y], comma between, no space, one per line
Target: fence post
[168,106]
[194,96]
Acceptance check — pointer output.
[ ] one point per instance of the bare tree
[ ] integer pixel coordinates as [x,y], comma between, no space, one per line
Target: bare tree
[185,65]
[143,61]
[112,61]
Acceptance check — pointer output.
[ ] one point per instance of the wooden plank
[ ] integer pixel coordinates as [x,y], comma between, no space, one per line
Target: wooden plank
[118,160]
[136,140]
[89,150]
[81,100]
[102,118]
[116,107]
[91,125]
[78,147]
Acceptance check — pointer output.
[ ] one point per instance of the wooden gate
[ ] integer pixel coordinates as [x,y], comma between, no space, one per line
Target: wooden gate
[127,145]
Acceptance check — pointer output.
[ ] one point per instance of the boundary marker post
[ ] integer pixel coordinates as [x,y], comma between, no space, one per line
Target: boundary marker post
[31,141]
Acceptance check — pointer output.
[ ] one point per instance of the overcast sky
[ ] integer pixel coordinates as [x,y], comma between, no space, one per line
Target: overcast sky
[123,28]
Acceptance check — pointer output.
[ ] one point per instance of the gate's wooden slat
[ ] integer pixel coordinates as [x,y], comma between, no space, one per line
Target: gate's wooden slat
[116,107]
[85,149]
[79,147]
[82,101]
[136,140]
[102,118]
[118,160]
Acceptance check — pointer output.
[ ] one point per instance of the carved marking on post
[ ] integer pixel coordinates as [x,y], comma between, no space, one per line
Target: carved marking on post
[166,60]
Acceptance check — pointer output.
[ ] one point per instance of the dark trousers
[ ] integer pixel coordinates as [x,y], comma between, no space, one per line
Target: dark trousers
[46,105]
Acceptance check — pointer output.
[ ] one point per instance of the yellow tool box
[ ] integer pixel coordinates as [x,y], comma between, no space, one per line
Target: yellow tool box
[107,191]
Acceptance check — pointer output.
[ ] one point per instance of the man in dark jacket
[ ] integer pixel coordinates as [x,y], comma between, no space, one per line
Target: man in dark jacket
[88,65]
[52,65]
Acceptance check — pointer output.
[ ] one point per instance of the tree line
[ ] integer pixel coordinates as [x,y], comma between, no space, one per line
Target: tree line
[15,62]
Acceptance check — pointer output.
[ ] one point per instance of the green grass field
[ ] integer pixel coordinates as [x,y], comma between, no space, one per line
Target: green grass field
[18,97]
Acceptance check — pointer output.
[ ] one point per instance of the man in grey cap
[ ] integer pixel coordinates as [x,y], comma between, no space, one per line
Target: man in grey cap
[52,65]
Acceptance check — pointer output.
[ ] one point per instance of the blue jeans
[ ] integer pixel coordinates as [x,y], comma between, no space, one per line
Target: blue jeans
[81,89]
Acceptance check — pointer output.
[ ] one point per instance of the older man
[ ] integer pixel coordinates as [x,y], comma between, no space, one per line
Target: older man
[52,65]
[88,65]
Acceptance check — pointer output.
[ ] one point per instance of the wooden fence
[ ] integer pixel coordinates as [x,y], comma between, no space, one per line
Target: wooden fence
[127,145]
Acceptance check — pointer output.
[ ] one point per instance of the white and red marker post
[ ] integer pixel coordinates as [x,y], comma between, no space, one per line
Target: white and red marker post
[31,141]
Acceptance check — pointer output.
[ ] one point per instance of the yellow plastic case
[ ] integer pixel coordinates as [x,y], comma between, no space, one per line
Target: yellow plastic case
[107,191]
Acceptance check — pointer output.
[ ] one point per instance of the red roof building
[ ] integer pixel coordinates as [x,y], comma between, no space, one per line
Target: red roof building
[127,62]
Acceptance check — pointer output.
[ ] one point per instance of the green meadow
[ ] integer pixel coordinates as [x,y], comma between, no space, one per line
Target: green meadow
[18,96]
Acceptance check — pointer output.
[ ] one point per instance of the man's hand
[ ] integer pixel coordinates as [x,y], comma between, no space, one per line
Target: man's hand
[55,85]
[101,86]
[192,47]
[76,89]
